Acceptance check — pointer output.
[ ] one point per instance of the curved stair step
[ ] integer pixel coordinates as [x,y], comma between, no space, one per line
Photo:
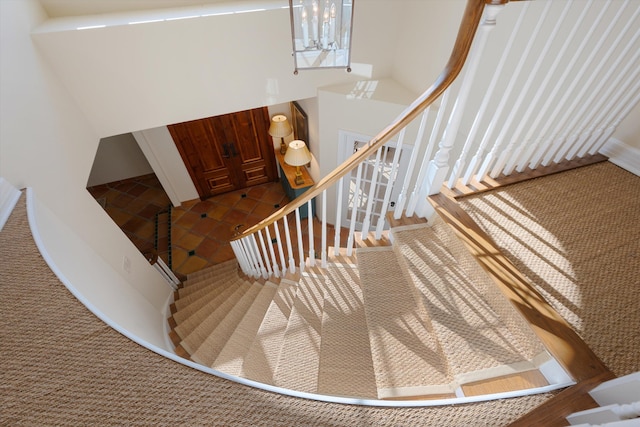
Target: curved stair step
[407,356]
[211,271]
[208,320]
[261,360]
[299,359]
[232,356]
[213,344]
[188,317]
[478,345]
[207,292]
[206,282]
[346,367]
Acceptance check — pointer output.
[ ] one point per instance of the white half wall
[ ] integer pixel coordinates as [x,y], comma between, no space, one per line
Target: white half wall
[118,157]
[161,152]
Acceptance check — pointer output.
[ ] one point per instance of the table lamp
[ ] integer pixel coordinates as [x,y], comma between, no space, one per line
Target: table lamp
[297,155]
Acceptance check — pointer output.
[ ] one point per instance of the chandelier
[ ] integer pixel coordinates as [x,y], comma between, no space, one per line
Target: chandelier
[321,33]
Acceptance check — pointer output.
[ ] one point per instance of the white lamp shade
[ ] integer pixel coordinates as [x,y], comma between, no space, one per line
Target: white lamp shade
[297,154]
[280,126]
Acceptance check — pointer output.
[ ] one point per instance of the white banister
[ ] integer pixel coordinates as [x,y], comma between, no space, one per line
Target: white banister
[402,198]
[312,250]
[524,91]
[562,145]
[287,235]
[540,90]
[392,177]
[337,228]
[274,260]
[373,187]
[323,252]
[493,153]
[531,158]
[300,242]
[280,247]
[354,211]
[474,164]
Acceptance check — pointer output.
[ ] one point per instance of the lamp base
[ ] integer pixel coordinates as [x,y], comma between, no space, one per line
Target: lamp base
[283,147]
[299,179]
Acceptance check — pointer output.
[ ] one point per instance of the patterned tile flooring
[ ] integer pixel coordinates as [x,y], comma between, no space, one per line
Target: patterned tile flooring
[200,230]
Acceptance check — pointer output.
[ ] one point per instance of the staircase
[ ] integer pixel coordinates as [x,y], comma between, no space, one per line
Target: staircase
[415,320]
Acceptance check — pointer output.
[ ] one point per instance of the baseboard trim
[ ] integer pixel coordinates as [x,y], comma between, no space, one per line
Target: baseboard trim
[9,196]
[623,155]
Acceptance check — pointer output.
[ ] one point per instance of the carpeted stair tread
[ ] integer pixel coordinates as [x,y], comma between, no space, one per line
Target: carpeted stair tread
[189,316]
[526,340]
[473,336]
[232,356]
[213,284]
[297,367]
[346,367]
[406,354]
[213,344]
[208,319]
[206,281]
[261,360]
[212,270]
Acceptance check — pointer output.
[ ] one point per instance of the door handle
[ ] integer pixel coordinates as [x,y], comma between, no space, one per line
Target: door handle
[233,149]
[225,149]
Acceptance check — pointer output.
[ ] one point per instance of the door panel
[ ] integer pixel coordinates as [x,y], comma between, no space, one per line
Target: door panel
[227,152]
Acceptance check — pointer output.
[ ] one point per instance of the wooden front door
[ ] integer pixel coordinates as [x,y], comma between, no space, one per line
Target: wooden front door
[228,152]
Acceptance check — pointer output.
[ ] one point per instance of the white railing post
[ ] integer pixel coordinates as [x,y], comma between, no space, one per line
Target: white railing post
[300,241]
[601,140]
[274,260]
[392,177]
[262,271]
[280,248]
[287,234]
[354,211]
[372,193]
[402,198]
[338,225]
[266,260]
[439,166]
[323,250]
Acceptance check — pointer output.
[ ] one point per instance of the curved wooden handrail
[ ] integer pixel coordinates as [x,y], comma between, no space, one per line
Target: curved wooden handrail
[468,26]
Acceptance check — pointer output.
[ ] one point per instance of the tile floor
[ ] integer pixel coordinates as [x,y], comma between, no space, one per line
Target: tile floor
[200,230]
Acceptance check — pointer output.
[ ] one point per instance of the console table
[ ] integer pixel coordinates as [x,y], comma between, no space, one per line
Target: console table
[291,189]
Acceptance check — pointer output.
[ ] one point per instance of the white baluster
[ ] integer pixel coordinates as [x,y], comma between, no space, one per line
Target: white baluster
[618,89]
[254,246]
[560,145]
[287,235]
[312,250]
[354,211]
[402,197]
[280,247]
[323,250]
[496,120]
[426,158]
[390,184]
[497,76]
[534,159]
[246,245]
[240,256]
[274,260]
[524,92]
[540,90]
[338,225]
[372,194]
[300,241]
[267,262]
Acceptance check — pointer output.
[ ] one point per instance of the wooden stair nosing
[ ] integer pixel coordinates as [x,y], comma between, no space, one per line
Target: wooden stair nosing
[231,357]
[199,334]
[216,340]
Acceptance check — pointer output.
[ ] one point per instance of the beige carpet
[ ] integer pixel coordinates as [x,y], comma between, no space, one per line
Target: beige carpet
[576,236]
[63,366]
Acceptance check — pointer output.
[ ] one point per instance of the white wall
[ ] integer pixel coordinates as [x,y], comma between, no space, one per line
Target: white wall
[118,157]
[47,143]
[132,77]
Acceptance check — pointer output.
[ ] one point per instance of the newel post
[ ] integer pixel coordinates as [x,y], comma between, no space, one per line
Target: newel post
[439,167]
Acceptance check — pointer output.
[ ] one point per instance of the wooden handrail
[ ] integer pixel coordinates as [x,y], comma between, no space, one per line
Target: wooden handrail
[468,26]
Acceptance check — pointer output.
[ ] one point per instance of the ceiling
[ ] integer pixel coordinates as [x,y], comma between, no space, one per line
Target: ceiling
[62,8]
